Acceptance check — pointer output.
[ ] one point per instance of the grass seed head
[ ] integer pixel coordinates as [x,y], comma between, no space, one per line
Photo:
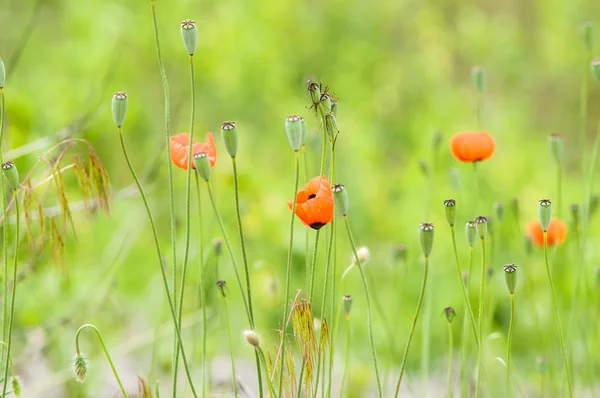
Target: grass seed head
[252,338]
[79,367]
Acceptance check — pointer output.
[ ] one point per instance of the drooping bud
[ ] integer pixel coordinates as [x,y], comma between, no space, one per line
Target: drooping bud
[217,246]
[2,74]
[450,314]
[544,213]
[11,174]
[426,238]
[499,207]
[455,178]
[252,338]
[450,210]
[478,76]
[593,206]
[119,108]
[334,106]
[340,197]
[574,214]
[79,367]
[556,147]
[202,165]
[229,132]
[189,34]
[363,254]
[325,101]
[304,137]
[510,274]
[471,232]
[400,252]
[222,286]
[314,90]
[587,34]
[482,224]
[596,69]
[347,303]
[293,129]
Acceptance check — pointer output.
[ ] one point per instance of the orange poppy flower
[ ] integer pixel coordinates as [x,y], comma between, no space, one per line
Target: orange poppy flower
[180,148]
[314,203]
[472,146]
[557,232]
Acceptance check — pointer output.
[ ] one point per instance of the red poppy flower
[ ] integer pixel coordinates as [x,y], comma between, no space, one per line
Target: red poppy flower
[472,146]
[180,148]
[314,203]
[557,232]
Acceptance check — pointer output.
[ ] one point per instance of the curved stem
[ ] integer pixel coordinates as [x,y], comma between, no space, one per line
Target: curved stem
[108,358]
[13,296]
[346,356]
[202,294]
[509,393]
[480,328]
[450,349]
[413,327]
[161,262]
[231,357]
[556,316]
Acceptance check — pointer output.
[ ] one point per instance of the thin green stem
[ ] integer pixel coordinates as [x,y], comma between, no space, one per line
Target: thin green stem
[78,351]
[161,262]
[368,297]
[464,341]
[413,327]
[313,267]
[509,391]
[333,310]
[302,369]
[480,319]
[261,355]
[4,211]
[477,196]
[306,232]
[346,356]
[450,351]
[559,190]
[11,314]
[231,357]
[479,109]
[556,316]
[583,111]
[202,294]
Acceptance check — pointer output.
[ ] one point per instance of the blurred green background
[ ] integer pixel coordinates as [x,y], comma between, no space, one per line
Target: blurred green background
[401,71]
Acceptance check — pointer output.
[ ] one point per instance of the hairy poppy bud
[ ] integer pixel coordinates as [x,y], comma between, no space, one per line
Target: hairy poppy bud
[340,197]
[510,274]
[596,69]
[334,106]
[119,107]
[2,74]
[478,76]
[15,384]
[11,174]
[252,338]
[499,207]
[471,232]
[222,286]
[544,213]
[217,246]
[79,367]
[556,147]
[482,224]
[574,214]
[189,34]
[202,165]
[400,252]
[450,210]
[314,90]
[347,302]
[229,133]
[450,314]
[587,34]
[325,100]
[293,129]
[426,238]
[593,206]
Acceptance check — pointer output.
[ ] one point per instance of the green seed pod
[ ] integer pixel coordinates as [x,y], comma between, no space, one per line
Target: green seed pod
[596,69]
[499,207]
[79,367]
[229,132]
[528,243]
[450,210]
[15,384]
[478,76]
[293,129]
[314,90]
[482,224]
[426,237]
[400,252]
[544,213]
[11,174]
[471,232]
[587,34]
[347,303]
[556,147]
[2,74]
[304,137]
[217,246]
[593,206]
[202,165]
[325,101]
[450,314]
[574,214]
[340,197]
[189,34]
[222,286]
[119,108]
[510,274]
[334,106]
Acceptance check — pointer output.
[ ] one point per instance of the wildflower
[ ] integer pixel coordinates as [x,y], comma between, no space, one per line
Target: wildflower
[180,149]
[557,232]
[314,203]
[472,146]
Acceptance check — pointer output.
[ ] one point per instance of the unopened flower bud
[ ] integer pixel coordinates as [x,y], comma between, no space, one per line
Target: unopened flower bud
[222,286]
[252,338]
[363,254]
[229,132]
[347,303]
[450,210]
[400,252]
[450,314]
[202,165]
[293,129]
[11,174]
[544,213]
[340,197]
[510,274]
[79,367]
[189,34]
[556,147]
[499,207]
[596,69]
[314,90]
[471,232]
[15,384]
[482,224]
[426,238]
[217,246]
[2,74]
[478,76]
[334,106]
[325,101]
[587,35]
[119,108]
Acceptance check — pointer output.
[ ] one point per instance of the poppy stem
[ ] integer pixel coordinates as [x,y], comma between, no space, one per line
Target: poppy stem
[450,351]
[583,114]
[480,319]
[477,188]
[202,294]
[464,340]
[231,356]
[307,232]
[11,314]
[313,267]
[160,260]
[368,297]
[4,211]
[346,356]
[108,358]
[556,315]
[333,242]
[509,391]
[261,355]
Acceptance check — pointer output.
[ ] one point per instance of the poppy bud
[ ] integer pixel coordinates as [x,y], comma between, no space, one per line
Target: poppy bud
[574,214]
[15,384]
[587,34]
[424,167]
[325,100]
[556,147]
[217,246]
[514,207]
[11,174]
[79,367]
[471,232]
[202,165]
[478,76]
[455,178]
[229,133]
[2,74]
[593,206]
[450,210]
[340,196]
[293,129]
[400,252]
[314,90]
[510,274]
[189,34]
[544,213]
[528,245]
[450,314]
[119,108]
[482,224]
[499,207]
[347,302]
[222,286]
[334,106]
[596,69]
[436,140]
[465,278]
[426,237]
[252,338]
